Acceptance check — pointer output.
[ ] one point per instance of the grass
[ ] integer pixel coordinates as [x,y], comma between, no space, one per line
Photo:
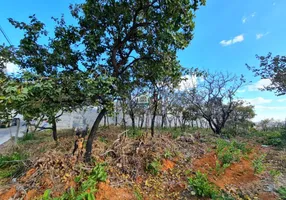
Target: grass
[11,165]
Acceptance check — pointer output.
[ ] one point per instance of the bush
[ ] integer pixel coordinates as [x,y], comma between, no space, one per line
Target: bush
[200,184]
[258,164]
[154,167]
[282,192]
[273,138]
[87,189]
[11,164]
[27,136]
[229,152]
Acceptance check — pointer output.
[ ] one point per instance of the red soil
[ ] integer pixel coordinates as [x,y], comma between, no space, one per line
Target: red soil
[105,192]
[237,174]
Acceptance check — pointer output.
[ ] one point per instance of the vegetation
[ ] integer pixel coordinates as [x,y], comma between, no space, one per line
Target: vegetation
[11,165]
[273,68]
[282,192]
[258,164]
[154,167]
[200,184]
[115,53]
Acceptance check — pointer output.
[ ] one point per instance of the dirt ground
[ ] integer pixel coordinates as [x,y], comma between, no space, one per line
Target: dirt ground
[51,166]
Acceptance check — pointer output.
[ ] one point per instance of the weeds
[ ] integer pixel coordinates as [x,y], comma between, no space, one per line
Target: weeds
[11,165]
[27,137]
[228,153]
[258,164]
[154,167]
[168,154]
[200,184]
[275,173]
[282,192]
[220,168]
[87,187]
[138,194]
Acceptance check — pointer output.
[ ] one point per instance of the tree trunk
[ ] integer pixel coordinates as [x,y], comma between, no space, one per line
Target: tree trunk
[133,122]
[17,131]
[154,117]
[54,128]
[163,120]
[116,118]
[104,121]
[142,121]
[87,156]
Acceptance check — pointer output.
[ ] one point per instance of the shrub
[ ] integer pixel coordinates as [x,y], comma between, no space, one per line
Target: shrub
[88,186]
[275,173]
[200,184]
[11,164]
[228,152]
[154,167]
[168,154]
[282,192]
[258,164]
[27,136]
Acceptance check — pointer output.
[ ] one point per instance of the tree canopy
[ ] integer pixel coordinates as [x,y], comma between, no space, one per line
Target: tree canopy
[274,69]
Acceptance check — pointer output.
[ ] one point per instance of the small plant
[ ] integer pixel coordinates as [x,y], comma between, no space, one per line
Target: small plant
[154,167]
[220,169]
[27,137]
[176,133]
[258,164]
[282,192]
[88,186]
[167,154]
[137,194]
[201,185]
[103,140]
[11,164]
[275,173]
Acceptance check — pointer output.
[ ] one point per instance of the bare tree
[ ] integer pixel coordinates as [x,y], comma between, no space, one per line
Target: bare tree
[215,98]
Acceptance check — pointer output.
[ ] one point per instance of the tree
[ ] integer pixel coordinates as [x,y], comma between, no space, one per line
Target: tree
[121,38]
[215,100]
[113,42]
[273,68]
[239,120]
[50,90]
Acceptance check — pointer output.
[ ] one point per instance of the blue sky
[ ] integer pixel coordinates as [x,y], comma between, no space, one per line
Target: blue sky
[228,34]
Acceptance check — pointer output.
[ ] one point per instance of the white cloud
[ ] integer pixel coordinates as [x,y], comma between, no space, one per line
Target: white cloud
[189,82]
[281,100]
[271,107]
[11,68]
[241,91]
[245,18]
[260,35]
[258,101]
[259,85]
[236,39]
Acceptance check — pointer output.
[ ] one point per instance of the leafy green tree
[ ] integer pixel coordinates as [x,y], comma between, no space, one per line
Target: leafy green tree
[113,42]
[45,73]
[240,119]
[273,68]
[121,38]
